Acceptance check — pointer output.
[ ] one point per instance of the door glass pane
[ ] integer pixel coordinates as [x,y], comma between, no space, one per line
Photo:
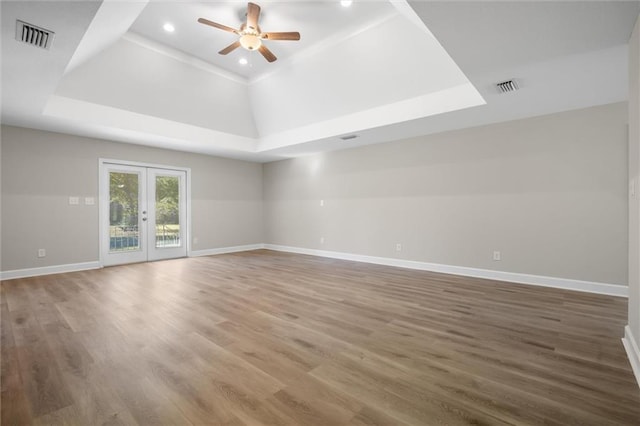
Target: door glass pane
[123,212]
[167,211]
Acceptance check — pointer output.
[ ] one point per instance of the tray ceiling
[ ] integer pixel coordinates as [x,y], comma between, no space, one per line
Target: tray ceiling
[375,70]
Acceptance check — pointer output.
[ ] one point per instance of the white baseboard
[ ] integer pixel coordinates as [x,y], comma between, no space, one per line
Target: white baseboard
[48,270]
[59,269]
[563,283]
[633,352]
[223,250]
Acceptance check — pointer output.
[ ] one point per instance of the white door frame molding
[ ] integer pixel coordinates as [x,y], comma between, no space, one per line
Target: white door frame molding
[103,197]
[153,251]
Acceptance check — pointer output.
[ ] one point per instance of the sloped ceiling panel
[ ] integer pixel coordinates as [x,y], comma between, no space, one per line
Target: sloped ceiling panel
[388,63]
[131,77]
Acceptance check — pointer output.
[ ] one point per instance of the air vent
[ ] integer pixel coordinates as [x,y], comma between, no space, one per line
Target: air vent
[35,36]
[348,137]
[507,86]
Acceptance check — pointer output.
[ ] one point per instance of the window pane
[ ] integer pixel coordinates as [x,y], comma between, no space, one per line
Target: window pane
[123,212]
[167,211]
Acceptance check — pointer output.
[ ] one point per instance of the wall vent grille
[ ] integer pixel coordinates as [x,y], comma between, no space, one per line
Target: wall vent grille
[507,86]
[33,35]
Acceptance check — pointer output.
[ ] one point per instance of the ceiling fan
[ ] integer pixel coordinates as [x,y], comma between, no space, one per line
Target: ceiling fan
[251,36]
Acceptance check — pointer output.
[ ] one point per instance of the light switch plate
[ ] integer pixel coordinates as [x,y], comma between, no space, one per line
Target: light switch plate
[89,201]
[74,201]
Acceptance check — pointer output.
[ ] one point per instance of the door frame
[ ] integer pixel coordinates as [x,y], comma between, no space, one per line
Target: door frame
[153,251]
[104,195]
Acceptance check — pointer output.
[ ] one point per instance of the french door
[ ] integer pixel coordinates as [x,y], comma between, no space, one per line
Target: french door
[143,214]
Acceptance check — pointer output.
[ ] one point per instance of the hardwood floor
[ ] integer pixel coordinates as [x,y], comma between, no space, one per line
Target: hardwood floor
[272,338]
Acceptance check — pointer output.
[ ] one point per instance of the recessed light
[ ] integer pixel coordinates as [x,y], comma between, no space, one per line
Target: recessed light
[243,61]
[346,3]
[168,27]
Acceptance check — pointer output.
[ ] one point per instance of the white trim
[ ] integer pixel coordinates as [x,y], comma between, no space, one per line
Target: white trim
[223,250]
[48,270]
[108,258]
[141,164]
[513,277]
[102,192]
[563,283]
[153,252]
[633,352]
[75,267]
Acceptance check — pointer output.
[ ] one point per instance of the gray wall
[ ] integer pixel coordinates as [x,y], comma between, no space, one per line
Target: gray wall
[634,176]
[548,192]
[40,170]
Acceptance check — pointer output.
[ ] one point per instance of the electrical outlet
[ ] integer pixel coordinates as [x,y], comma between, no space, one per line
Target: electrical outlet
[195,241]
[398,247]
[321,240]
[497,255]
[42,252]
[74,201]
[89,201]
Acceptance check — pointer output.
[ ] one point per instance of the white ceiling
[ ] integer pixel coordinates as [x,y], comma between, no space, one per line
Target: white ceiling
[317,21]
[383,70]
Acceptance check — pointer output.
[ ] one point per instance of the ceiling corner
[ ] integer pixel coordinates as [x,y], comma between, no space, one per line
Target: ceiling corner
[112,20]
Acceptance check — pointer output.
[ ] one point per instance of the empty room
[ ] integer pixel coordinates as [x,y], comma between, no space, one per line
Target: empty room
[367,212]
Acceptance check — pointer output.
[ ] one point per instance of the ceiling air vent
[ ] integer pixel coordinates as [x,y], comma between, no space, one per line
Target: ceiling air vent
[348,137]
[507,86]
[35,36]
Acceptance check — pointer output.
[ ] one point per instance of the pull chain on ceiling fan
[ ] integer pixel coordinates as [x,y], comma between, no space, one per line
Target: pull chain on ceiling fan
[251,36]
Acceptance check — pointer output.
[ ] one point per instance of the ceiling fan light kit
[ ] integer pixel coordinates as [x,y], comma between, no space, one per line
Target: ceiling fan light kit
[251,36]
[250,41]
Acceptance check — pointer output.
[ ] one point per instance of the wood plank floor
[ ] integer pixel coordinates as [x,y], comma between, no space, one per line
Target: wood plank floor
[273,338]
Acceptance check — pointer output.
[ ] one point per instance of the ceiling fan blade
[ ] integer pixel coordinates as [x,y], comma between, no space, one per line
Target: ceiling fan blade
[216,25]
[230,48]
[281,36]
[253,14]
[268,55]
